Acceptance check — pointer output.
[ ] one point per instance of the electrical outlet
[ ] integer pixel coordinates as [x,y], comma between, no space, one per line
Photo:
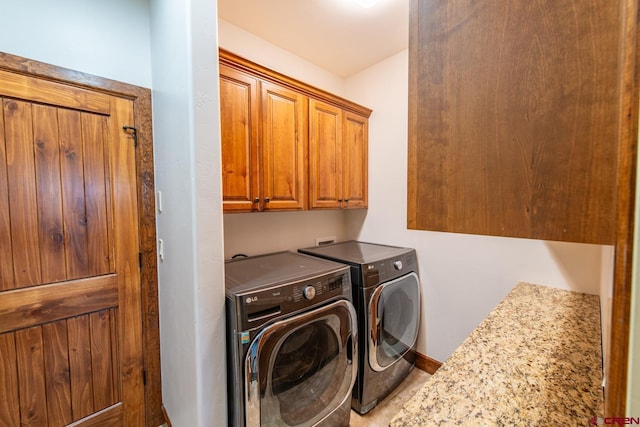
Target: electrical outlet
[321,241]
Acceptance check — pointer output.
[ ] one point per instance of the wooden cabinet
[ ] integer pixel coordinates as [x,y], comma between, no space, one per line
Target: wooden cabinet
[287,145]
[514,132]
[263,128]
[283,148]
[239,129]
[337,157]
[355,129]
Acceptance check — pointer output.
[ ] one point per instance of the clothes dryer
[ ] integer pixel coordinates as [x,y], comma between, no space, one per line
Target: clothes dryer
[291,341]
[386,295]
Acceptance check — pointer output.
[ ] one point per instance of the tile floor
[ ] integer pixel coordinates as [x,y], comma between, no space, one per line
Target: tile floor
[381,415]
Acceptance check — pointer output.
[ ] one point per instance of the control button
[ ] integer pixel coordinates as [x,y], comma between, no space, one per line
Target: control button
[397,265]
[309,292]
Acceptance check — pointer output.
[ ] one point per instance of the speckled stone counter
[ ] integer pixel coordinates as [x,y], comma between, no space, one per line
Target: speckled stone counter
[534,361]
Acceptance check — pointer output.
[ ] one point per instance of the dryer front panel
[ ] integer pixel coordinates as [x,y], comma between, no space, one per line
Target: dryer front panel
[394,319]
[299,370]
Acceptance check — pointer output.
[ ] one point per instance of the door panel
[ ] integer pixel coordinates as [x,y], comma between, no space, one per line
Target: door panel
[73,193]
[325,155]
[48,187]
[23,205]
[69,269]
[355,160]
[66,364]
[394,310]
[9,413]
[6,251]
[57,187]
[239,131]
[56,356]
[301,368]
[42,91]
[284,126]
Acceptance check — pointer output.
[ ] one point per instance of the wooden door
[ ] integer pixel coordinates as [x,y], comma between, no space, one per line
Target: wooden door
[239,129]
[70,307]
[284,144]
[325,155]
[355,157]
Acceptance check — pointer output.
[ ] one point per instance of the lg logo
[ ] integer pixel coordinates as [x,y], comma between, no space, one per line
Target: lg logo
[249,300]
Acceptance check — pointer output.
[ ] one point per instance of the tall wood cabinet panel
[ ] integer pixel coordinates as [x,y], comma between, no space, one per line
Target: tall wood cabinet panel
[239,124]
[284,143]
[355,153]
[513,118]
[287,145]
[325,155]
[338,160]
[263,128]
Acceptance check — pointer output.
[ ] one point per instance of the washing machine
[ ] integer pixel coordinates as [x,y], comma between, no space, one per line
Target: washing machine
[386,295]
[291,341]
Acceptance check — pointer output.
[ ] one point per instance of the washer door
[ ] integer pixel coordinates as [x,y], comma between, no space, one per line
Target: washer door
[299,370]
[394,318]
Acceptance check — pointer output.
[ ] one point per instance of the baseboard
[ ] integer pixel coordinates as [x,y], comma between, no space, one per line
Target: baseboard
[166,416]
[427,364]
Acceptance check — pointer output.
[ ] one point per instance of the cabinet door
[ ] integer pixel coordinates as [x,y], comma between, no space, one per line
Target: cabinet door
[355,160]
[514,132]
[284,144]
[239,129]
[325,155]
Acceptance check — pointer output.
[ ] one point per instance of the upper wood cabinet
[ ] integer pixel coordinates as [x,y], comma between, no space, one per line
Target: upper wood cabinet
[355,129]
[513,117]
[325,155]
[239,128]
[283,148]
[287,145]
[264,128]
[337,157]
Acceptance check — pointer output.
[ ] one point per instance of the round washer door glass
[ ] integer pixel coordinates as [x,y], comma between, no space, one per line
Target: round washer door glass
[305,366]
[394,310]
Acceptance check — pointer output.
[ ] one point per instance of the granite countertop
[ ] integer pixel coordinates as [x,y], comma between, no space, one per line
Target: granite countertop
[534,361]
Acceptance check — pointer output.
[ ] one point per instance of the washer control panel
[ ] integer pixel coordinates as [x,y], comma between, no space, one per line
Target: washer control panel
[263,306]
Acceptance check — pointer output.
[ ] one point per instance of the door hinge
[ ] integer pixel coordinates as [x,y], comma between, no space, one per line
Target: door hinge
[140,259]
[134,131]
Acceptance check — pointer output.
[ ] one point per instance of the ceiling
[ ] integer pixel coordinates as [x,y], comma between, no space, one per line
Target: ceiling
[337,35]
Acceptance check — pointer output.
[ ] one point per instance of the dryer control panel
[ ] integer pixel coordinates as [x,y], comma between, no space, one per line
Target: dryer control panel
[377,272]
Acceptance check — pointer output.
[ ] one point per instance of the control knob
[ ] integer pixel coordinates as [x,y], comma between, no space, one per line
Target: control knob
[309,292]
[397,265]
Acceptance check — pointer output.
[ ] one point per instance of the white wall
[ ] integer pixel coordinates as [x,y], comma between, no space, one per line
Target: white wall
[259,233]
[633,390]
[606,301]
[463,276]
[187,153]
[106,38]
[249,46]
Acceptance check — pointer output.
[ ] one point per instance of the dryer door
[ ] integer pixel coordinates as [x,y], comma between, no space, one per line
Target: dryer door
[394,318]
[301,369]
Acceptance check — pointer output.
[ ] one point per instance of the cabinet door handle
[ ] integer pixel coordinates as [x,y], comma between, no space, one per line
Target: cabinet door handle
[267,199]
[339,200]
[346,200]
[256,200]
